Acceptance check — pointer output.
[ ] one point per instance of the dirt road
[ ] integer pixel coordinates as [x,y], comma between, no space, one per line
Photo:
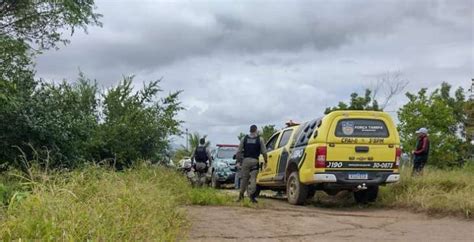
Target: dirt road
[279,221]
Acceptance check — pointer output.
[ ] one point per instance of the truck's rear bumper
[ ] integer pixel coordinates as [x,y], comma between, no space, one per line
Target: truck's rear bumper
[342,178]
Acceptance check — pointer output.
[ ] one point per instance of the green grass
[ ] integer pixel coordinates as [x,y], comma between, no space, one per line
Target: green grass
[100,204]
[437,192]
[146,203]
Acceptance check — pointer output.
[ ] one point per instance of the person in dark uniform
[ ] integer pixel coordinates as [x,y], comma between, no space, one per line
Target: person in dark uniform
[420,155]
[250,148]
[201,160]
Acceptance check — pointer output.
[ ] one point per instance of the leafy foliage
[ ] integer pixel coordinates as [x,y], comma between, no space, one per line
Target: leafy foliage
[241,136]
[357,102]
[268,131]
[63,125]
[443,116]
[469,110]
[41,22]
[135,125]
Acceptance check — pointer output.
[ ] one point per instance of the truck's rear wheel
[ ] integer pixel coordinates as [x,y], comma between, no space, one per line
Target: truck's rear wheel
[295,190]
[368,195]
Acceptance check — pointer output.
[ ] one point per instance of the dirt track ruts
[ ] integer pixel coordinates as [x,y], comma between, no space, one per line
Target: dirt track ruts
[280,221]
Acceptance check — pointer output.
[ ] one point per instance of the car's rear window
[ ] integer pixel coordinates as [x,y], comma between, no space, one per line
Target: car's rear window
[226,152]
[361,128]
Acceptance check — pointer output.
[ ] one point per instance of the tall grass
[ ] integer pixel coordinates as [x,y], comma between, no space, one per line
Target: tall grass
[438,192]
[100,204]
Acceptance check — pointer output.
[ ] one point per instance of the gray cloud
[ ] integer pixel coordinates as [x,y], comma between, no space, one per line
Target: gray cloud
[266,62]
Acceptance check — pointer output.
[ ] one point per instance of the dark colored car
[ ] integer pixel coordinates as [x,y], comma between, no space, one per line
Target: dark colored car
[223,166]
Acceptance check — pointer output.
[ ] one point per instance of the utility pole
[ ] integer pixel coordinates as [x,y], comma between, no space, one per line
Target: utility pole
[471,96]
[187,137]
[469,109]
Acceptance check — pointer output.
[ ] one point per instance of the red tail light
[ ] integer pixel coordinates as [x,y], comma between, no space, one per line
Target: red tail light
[320,159]
[398,154]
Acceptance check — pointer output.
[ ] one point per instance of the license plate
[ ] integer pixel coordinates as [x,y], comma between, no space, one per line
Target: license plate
[359,176]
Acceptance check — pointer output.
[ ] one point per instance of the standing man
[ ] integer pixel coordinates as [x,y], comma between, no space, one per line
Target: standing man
[200,158]
[422,151]
[250,148]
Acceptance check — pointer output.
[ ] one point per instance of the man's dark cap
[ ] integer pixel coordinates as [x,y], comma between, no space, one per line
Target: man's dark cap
[253,128]
[202,141]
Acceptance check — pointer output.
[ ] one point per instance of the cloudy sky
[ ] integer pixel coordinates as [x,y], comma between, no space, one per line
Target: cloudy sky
[265,62]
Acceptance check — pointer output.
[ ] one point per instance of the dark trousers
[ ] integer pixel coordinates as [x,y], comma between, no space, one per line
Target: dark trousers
[419,163]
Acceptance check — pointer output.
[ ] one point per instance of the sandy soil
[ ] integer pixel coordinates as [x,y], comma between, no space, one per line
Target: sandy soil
[280,221]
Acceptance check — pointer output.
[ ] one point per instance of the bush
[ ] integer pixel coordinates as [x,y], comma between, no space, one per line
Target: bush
[445,118]
[64,125]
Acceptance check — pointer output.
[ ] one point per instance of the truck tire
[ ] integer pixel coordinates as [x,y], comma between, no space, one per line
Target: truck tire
[311,192]
[295,190]
[366,196]
[214,182]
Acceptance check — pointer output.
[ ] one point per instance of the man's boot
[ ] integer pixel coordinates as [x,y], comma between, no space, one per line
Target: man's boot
[241,197]
[253,199]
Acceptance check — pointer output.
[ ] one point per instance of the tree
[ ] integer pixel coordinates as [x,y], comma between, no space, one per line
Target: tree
[389,84]
[386,87]
[26,28]
[469,110]
[136,125]
[357,103]
[241,136]
[42,22]
[29,26]
[62,121]
[440,113]
[268,131]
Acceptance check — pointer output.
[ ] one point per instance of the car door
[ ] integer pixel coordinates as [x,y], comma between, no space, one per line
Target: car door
[283,152]
[268,171]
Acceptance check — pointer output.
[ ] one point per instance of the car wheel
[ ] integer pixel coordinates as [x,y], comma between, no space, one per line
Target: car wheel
[214,182]
[295,190]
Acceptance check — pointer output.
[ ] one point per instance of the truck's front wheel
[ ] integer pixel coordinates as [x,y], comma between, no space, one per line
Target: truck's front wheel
[295,190]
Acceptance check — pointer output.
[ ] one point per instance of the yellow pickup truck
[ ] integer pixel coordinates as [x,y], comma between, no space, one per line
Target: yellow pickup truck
[345,150]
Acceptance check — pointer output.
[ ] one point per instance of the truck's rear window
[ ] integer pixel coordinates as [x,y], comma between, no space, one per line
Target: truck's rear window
[361,128]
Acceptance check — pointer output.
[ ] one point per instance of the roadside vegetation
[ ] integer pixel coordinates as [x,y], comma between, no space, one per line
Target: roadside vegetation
[437,192]
[95,203]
